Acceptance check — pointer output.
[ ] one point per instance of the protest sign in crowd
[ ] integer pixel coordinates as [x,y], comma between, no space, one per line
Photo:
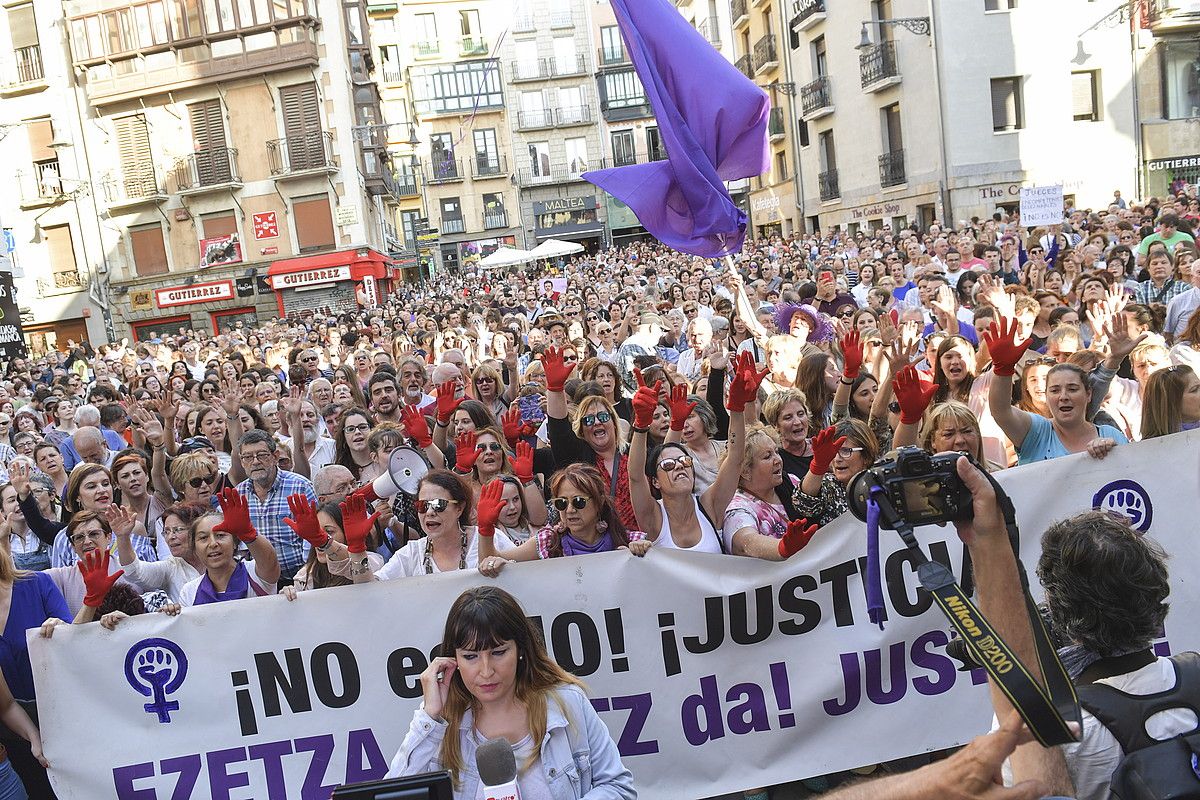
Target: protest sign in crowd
[631,399]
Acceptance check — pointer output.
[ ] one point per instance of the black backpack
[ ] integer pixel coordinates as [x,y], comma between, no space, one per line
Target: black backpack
[1151,769]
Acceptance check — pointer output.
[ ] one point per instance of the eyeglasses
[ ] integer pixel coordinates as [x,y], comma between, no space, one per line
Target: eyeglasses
[578,502]
[174,529]
[363,428]
[203,480]
[437,505]
[846,452]
[591,419]
[672,464]
[490,447]
[265,455]
[80,538]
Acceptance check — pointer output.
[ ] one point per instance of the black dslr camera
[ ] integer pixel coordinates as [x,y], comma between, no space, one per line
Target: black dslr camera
[921,489]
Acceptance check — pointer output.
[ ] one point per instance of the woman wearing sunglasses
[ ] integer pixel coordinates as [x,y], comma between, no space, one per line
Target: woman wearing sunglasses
[194,478]
[444,507]
[587,522]
[483,455]
[591,437]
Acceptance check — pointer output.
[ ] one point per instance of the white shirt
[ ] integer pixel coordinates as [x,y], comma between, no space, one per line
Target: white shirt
[171,575]
[187,596]
[410,559]
[324,453]
[69,581]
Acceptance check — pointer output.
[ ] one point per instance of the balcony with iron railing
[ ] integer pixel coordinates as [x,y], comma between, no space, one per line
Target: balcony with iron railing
[484,166]
[427,49]
[878,67]
[495,219]
[558,173]
[444,170]
[135,185]
[574,115]
[745,65]
[765,55]
[816,98]
[524,23]
[709,29]
[535,118]
[406,183]
[775,128]
[626,159]
[808,13]
[473,46]
[41,185]
[891,168]
[827,182]
[393,75]
[60,282]
[611,56]
[547,68]
[301,155]
[452,225]
[1172,16]
[560,17]
[206,171]
[24,74]
[739,11]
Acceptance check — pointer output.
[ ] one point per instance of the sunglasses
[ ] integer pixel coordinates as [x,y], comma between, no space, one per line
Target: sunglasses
[845,314]
[578,502]
[592,318]
[203,480]
[846,452]
[672,464]
[436,505]
[591,419]
[491,447]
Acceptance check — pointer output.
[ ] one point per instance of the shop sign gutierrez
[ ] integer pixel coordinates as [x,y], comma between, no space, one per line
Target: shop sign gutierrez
[290,280]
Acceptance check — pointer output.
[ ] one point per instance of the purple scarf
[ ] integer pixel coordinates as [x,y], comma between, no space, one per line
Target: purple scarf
[239,582]
[573,547]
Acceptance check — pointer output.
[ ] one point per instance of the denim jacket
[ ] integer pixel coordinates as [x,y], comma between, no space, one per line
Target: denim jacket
[579,757]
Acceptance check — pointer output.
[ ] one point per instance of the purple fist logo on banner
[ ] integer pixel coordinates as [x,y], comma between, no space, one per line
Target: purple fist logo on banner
[713,124]
[156,668]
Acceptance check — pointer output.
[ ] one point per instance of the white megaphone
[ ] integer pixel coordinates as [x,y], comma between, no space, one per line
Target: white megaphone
[406,467]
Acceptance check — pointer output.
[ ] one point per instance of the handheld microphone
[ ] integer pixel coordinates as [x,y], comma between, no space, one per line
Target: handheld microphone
[497,766]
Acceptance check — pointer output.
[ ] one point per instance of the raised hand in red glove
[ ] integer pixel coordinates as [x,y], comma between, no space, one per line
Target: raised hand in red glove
[465,454]
[96,580]
[356,525]
[852,355]
[743,386]
[681,409]
[799,533]
[487,512]
[447,404]
[415,426]
[511,420]
[825,446]
[522,465]
[237,516]
[367,493]
[557,370]
[304,520]
[913,394]
[644,401]
[1003,346]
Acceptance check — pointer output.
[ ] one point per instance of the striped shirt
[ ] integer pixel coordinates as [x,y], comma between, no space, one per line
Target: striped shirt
[267,517]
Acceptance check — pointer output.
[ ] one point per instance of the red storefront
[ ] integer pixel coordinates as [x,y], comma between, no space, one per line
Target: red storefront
[340,282]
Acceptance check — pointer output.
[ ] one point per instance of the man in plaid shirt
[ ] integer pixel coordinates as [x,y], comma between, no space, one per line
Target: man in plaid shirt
[266,492]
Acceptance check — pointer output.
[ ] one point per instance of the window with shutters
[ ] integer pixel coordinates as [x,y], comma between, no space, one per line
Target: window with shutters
[63,268]
[222,224]
[1085,96]
[46,181]
[623,148]
[211,159]
[27,52]
[314,223]
[149,250]
[137,163]
[1008,107]
[304,141]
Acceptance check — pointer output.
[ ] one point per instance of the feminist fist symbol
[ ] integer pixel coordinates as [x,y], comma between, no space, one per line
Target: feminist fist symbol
[1128,499]
[156,668]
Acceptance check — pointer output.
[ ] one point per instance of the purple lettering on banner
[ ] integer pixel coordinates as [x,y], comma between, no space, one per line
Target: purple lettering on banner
[362,743]
[271,755]
[219,779]
[783,694]
[707,702]
[749,715]
[123,778]
[639,706]
[188,768]
[322,749]
[939,663]
[873,675]
[852,676]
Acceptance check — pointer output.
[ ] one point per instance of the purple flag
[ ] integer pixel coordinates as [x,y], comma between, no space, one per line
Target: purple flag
[713,123]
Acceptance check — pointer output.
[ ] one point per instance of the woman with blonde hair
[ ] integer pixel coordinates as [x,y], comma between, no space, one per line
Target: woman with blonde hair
[1170,402]
[494,678]
[487,386]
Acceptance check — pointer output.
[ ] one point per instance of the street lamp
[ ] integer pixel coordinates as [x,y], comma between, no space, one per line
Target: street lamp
[917,25]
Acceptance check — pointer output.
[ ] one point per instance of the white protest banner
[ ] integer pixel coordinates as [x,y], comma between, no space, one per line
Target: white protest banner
[714,673]
[1041,205]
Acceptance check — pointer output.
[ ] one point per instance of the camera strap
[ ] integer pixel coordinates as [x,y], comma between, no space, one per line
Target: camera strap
[1045,709]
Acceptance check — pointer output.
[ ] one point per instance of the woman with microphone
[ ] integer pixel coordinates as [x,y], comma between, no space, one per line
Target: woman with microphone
[494,680]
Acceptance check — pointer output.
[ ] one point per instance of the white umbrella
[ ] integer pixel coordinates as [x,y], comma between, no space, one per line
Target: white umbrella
[506,256]
[553,248]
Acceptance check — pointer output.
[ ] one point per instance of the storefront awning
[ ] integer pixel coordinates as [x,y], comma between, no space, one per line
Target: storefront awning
[559,233]
[362,261]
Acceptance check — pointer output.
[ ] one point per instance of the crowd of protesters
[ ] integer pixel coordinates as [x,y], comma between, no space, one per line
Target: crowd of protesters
[633,398]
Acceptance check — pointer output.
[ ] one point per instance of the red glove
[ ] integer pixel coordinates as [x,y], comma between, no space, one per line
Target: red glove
[237,516]
[304,520]
[523,464]
[852,355]
[556,368]
[415,425]
[511,420]
[796,538]
[367,493]
[644,401]
[681,409]
[743,387]
[96,580]
[446,403]
[825,446]
[465,454]
[356,525]
[1001,340]
[912,394]
[487,512]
